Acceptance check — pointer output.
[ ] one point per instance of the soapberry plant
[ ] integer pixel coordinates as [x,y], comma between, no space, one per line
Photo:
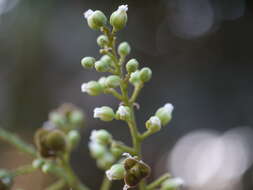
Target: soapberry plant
[57,137]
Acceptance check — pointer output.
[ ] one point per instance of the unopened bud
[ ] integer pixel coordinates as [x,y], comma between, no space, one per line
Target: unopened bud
[116,172]
[135,77]
[104,113]
[38,163]
[124,49]
[153,124]
[145,74]
[102,41]
[123,113]
[97,150]
[102,66]
[101,136]
[47,167]
[165,113]
[118,18]
[88,62]
[106,161]
[95,19]
[132,65]
[93,88]
[74,137]
[113,81]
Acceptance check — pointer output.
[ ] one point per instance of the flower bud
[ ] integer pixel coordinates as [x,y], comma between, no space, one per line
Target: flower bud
[153,124]
[112,81]
[102,41]
[136,170]
[135,77]
[165,113]
[38,163]
[106,161]
[97,150]
[88,62]
[132,65]
[123,113]
[102,82]
[76,117]
[172,184]
[101,136]
[93,88]
[74,137]
[95,19]
[118,18]
[124,49]
[116,172]
[57,118]
[56,141]
[102,66]
[145,74]
[47,167]
[104,113]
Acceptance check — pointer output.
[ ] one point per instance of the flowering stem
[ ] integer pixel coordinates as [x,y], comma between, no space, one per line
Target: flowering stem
[17,142]
[125,148]
[23,170]
[159,181]
[57,185]
[71,178]
[136,92]
[106,184]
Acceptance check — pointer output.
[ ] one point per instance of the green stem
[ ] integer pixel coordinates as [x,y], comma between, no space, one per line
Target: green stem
[124,147]
[17,142]
[158,181]
[137,89]
[23,170]
[71,178]
[146,134]
[58,185]
[106,184]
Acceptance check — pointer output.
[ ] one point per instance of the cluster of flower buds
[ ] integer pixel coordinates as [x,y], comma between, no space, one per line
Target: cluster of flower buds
[97,19]
[172,184]
[161,118]
[5,180]
[60,134]
[102,150]
[131,170]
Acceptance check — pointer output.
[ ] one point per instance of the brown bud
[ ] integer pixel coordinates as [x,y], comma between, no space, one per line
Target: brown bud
[136,170]
[50,142]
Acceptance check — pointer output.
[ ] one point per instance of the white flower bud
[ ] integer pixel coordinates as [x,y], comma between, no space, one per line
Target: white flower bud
[154,124]
[38,163]
[116,172]
[135,77]
[102,41]
[95,19]
[124,49]
[102,82]
[88,62]
[106,161]
[172,184]
[93,88]
[145,74]
[47,167]
[73,137]
[165,113]
[101,136]
[123,113]
[102,66]
[132,65]
[104,113]
[118,18]
[97,150]
[113,81]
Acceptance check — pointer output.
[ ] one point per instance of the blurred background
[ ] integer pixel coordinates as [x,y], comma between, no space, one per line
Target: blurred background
[201,55]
